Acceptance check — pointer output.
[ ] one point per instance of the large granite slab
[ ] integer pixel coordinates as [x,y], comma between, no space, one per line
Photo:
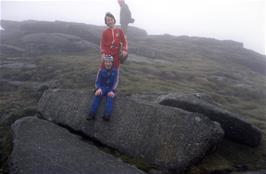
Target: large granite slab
[41,147]
[167,137]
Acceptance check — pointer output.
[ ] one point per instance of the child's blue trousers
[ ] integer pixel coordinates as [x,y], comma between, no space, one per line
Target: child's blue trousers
[108,104]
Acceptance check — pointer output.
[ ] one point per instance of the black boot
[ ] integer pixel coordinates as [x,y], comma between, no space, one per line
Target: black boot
[106,117]
[91,116]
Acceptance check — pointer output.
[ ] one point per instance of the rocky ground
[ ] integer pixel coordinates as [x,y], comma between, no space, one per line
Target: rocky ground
[228,74]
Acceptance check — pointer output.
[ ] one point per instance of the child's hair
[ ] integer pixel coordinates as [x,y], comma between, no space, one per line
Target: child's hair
[108,14]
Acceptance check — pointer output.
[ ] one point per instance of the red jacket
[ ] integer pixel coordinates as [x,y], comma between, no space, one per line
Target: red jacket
[110,43]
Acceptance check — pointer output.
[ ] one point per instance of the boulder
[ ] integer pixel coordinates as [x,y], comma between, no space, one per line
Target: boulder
[254,172]
[263,171]
[166,137]
[43,147]
[39,43]
[6,49]
[91,33]
[134,33]
[235,128]
[145,51]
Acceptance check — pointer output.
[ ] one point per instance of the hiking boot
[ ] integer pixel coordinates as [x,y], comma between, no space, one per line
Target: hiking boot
[91,116]
[106,117]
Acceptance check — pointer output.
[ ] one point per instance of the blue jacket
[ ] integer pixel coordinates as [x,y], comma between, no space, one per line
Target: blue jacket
[107,80]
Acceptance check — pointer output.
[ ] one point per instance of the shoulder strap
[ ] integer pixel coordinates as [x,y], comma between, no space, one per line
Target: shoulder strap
[119,34]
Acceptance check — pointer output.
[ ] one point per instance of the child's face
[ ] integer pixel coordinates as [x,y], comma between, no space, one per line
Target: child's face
[110,21]
[108,64]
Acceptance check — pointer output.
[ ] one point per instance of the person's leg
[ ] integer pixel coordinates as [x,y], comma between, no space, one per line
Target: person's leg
[125,31]
[108,108]
[108,105]
[94,107]
[124,28]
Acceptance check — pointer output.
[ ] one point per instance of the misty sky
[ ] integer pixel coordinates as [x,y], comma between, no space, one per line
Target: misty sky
[239,20]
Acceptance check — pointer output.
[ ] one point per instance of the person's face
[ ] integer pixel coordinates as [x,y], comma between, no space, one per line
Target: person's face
[108,64]
[110,21]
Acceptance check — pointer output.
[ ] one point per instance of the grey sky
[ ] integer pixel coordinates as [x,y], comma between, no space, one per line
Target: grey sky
[239,20]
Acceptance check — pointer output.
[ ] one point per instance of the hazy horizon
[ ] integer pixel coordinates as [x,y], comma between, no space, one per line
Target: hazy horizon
[238,20]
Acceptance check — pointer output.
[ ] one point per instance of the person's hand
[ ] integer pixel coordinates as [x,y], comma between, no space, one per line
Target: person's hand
[98,92]
[124,53]
[111,94]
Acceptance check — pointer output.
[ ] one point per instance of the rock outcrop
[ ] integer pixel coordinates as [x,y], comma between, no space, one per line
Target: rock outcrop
[163,136]
[42,37]
[166,47]
[6,49]
[235,128]
[43,147]
[254,172]
[40,43]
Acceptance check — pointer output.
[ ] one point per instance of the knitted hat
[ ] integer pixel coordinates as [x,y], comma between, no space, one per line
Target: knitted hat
[108,14]
[108,58]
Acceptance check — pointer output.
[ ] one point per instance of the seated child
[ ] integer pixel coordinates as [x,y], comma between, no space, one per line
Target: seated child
[106,83]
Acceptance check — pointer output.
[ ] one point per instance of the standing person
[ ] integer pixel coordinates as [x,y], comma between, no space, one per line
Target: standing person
[106,83]
[112,39]
[125,16]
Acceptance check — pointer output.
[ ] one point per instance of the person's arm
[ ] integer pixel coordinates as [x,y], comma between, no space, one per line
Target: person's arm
[125,14]
[98,90]
[114,83]
[116,80]
[128,13]
[98,79]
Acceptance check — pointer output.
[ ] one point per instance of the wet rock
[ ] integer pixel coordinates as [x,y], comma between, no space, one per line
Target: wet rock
[251,172]
[235,128]
[163,136]
[43,147]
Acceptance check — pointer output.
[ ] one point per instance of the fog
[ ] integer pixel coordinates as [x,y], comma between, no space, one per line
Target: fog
[239,20]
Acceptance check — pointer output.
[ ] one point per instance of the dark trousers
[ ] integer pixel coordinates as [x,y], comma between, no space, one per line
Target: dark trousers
[124,28]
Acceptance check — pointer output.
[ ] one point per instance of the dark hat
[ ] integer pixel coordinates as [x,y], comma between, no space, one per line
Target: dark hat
[108,14]
[121,2]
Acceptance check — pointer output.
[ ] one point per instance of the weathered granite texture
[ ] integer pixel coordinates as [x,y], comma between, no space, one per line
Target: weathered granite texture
[41,147]
[235,128]
[167,137]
